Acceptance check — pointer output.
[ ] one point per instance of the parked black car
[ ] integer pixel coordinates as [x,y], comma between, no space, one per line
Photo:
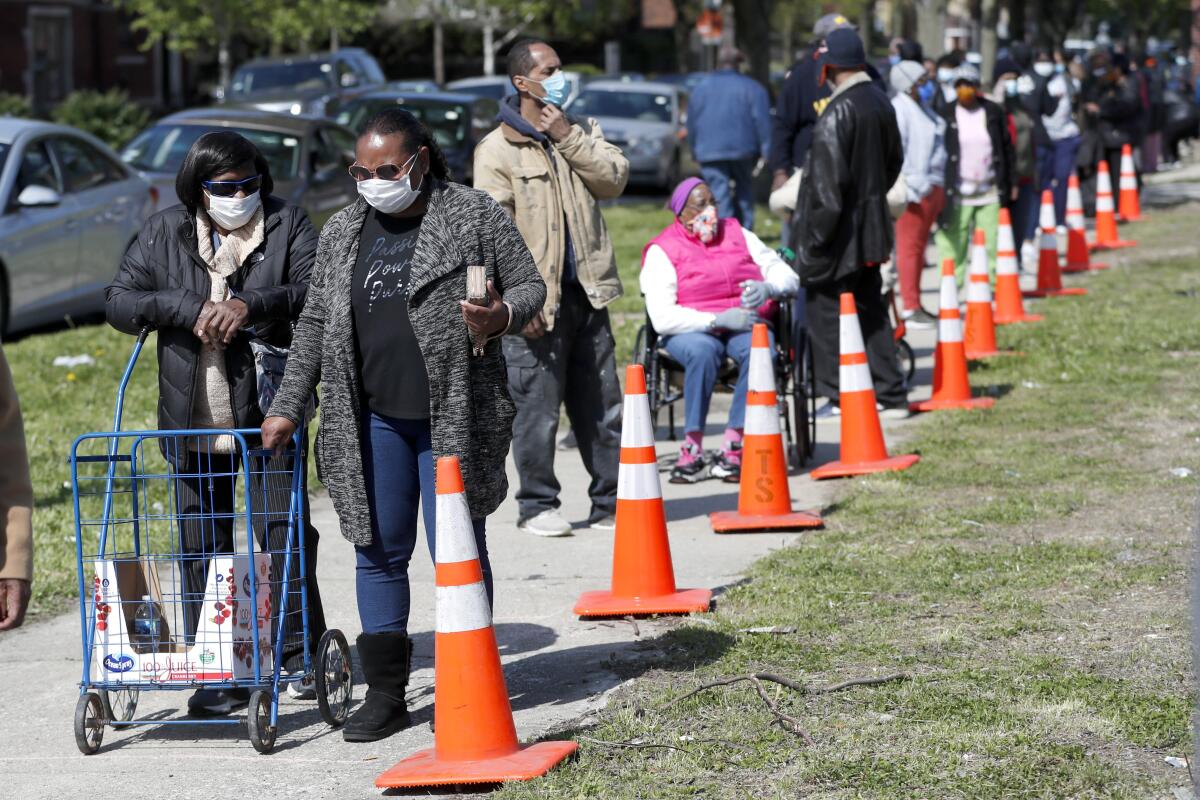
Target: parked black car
[457,121]
[305,84]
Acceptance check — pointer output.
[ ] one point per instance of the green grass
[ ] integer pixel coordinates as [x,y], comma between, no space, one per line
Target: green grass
[1029,575]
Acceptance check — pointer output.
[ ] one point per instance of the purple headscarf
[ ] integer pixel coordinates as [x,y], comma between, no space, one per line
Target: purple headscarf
[679,197]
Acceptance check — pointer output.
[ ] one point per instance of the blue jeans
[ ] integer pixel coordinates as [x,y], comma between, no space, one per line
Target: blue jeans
[736,201]
[1025,211]
[398,468]
[1056,165]
[701,355]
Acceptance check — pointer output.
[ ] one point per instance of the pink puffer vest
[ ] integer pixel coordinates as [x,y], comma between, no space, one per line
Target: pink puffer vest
[708,276]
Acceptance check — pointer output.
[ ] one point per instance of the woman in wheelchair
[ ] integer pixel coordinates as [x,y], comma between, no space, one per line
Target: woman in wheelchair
[706,282]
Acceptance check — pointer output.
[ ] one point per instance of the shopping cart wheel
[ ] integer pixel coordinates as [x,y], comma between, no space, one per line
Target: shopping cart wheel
[119,706]
[335,678]
[258,721]
[89,723]
[908,360]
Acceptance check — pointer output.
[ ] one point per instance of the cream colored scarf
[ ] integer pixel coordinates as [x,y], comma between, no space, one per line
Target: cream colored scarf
[212,405]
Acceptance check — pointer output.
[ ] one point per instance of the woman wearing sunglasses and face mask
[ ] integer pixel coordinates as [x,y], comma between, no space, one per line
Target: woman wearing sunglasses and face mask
[229,262]
[388,332]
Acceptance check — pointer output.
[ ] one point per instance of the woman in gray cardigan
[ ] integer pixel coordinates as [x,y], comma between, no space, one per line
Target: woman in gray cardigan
[387,331]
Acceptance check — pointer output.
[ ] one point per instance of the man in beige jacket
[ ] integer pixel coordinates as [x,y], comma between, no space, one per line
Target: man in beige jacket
[548,171]
[16,507]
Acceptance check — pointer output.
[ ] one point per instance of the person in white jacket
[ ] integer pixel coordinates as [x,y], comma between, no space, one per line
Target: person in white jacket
[922,134]
[706,281]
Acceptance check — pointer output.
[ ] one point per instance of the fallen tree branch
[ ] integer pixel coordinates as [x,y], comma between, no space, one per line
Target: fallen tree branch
[634,745]
[785,720]
[837,687]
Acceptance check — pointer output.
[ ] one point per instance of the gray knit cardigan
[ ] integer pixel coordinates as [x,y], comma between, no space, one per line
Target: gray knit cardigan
[472,412]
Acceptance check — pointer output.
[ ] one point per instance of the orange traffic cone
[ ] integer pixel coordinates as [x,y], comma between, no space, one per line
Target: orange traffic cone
[1078,259]
[474,738]
[1049,283]
[1130,207]
[980,339]
[1106,220]
[643,579]
[764,502]
[950,386]
[862,447]
[1009,306]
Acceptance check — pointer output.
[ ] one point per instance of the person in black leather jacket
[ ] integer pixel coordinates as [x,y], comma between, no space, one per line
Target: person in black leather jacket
[844,229]
[231,257]
[1113,116]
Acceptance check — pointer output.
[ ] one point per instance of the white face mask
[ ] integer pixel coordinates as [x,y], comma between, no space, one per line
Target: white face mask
[390,197]
[232,213]
[1044,68]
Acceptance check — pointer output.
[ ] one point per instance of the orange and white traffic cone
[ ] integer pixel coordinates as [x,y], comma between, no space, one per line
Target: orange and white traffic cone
[1049,282]
[643,578]
[1009,306]
[951,389]
[1130,206]
[1107,237]
[980,338]
[474,738]
[764,501]
[1078,259]
[863,450]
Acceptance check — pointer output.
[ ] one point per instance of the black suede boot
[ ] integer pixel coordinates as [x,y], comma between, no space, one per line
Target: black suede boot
[385,659]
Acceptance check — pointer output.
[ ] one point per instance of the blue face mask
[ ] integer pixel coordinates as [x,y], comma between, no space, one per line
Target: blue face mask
[894,59]
[555,87]
[925,91]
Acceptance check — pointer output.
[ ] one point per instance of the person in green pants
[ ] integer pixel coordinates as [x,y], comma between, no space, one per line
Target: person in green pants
[979,171]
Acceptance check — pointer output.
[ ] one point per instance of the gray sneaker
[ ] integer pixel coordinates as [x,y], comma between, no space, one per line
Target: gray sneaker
[606,523]
[303,688]
[547,523]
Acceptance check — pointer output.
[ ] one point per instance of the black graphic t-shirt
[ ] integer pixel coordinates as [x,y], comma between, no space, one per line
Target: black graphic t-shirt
[394,380]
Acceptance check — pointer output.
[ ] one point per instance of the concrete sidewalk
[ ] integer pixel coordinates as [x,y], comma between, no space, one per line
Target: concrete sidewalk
[558,668]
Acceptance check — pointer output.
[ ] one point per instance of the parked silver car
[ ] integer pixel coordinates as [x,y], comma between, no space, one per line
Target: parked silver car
[308,156]
[71,208]
[647,120]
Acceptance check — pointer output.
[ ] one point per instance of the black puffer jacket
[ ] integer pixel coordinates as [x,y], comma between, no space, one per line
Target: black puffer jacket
[843,221]
[1004,157]
[163,282]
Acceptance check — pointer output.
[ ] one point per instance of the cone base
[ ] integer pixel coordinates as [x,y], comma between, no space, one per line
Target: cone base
[1072,291]
[1020,319]
[605,604]
[1091,266]
[425,769]
[1116,244]
[733,522]
[1122,218]
[980,355]
[841,469]
[944,405]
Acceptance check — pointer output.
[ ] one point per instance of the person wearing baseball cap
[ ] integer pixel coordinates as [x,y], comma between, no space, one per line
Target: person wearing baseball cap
[979,170]
[843,229]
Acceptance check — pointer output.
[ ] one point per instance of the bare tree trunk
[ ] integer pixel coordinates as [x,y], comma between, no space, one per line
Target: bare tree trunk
[1195,40]
[439,61]
[931,26]
[1016,20]
[489,48]
[866,25]
[752,19]
[988,42]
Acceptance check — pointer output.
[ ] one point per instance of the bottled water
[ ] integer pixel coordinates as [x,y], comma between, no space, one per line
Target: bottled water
[146,623]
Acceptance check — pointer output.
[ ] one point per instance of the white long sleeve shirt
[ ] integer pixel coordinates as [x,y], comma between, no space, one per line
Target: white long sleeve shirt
[660,287]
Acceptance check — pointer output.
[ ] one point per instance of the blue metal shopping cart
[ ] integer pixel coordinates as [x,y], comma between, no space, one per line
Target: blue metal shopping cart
[191,576]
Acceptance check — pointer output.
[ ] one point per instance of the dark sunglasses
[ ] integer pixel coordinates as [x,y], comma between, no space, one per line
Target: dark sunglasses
[384,172]
[230,188]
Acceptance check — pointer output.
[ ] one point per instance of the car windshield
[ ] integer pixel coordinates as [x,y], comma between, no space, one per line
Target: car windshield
[266,77]
[496,91]
[448,122]
[645,106]
[162,148]
[5,148]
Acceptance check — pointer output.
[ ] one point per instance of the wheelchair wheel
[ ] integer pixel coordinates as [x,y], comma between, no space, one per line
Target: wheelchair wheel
[908,360]
[803,402]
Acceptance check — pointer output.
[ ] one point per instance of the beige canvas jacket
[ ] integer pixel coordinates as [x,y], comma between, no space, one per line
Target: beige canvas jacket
[540,186]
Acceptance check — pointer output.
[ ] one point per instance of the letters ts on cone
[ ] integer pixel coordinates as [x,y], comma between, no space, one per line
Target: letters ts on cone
[1078,259]
[980,339]
[1049,281]
[951,389]
[862,447]
[474,739]
[764,500]
[643,578]
[1130,206]
[1009,306]
[1106,217]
